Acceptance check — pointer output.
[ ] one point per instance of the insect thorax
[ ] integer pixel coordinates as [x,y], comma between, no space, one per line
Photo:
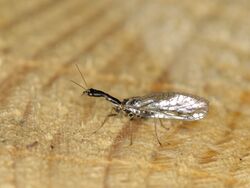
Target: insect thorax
[129,108]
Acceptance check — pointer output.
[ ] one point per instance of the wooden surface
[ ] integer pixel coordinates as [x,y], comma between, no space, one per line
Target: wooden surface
[126,48]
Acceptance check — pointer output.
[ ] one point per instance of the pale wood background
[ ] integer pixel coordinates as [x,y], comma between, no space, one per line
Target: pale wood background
[126,48]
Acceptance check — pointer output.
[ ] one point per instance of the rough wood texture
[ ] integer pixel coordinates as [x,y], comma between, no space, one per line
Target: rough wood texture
[126,48]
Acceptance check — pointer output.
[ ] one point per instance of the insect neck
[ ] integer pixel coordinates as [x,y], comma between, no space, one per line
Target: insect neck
[99,93]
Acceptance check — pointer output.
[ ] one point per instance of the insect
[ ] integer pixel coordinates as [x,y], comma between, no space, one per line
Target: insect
[165,105]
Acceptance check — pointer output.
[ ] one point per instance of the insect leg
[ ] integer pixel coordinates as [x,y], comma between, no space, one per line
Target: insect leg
[157,134]
[162,124]
[130,130]
[111,114]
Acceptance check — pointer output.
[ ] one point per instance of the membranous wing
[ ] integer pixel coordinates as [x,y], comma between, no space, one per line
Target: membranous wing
[171,105]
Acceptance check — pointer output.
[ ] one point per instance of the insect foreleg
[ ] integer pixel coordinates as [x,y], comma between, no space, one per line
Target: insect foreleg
[111,114]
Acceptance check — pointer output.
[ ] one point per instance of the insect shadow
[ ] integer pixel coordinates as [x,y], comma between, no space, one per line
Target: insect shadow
[164,105]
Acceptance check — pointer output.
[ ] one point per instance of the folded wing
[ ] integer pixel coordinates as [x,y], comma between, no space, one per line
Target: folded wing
[171,105]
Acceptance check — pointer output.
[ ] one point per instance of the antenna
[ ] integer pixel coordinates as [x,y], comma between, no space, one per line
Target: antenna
[81,75]
[78,84]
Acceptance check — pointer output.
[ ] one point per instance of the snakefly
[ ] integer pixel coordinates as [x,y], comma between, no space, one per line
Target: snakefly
[165,105]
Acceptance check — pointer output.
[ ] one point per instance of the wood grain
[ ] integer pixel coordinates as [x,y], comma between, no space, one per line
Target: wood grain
[126,48]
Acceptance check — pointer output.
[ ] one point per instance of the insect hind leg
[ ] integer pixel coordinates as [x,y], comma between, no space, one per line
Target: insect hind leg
[156,134]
